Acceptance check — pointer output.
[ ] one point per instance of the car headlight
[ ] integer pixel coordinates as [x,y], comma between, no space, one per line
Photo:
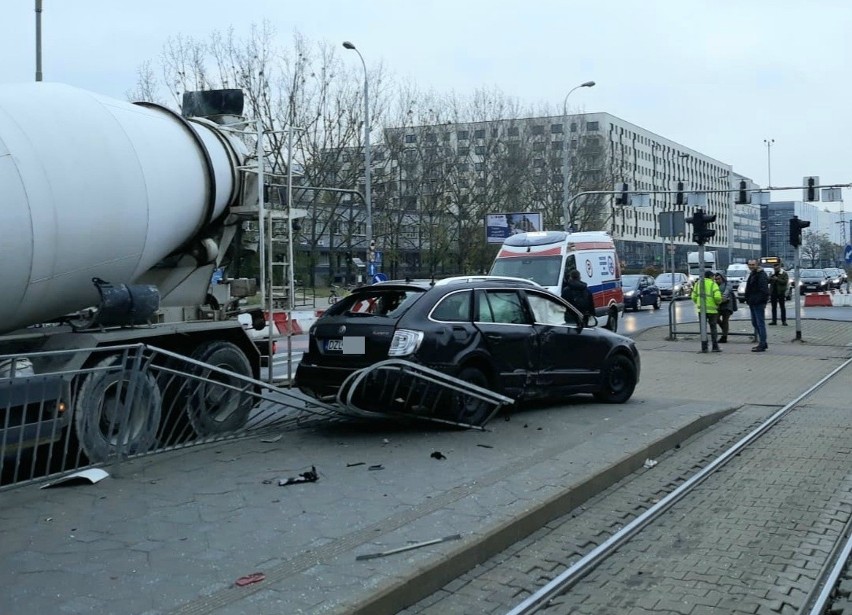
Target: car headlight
[405,342]
[630,294]
[676,288]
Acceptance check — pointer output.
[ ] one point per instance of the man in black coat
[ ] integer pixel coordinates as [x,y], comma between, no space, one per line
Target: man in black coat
[577,293]
[756,296]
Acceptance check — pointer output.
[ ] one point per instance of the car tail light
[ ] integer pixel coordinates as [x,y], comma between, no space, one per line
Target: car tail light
[405,342]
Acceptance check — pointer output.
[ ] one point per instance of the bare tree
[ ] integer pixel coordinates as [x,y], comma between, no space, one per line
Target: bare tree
[306,88]
[813,244]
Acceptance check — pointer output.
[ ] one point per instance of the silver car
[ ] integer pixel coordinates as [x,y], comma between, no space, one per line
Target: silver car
[673,285]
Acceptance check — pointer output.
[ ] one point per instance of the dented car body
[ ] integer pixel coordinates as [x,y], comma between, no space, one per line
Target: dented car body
[507,335]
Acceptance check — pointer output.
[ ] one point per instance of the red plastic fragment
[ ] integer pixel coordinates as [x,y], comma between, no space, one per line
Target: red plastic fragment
[254,577]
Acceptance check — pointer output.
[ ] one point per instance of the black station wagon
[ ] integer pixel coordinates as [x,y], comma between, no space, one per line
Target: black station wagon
[507,335]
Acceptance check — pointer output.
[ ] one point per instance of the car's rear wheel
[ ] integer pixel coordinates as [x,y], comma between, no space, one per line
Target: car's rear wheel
[468,409]
[618,380]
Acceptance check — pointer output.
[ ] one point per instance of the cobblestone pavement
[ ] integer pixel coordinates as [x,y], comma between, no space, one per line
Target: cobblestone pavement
[172,532]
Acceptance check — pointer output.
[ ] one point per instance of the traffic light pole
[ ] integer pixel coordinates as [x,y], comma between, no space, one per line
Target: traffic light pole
[702,300]
[797,297]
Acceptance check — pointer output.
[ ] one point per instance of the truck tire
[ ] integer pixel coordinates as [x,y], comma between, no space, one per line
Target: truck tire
[211,408]
[117,412]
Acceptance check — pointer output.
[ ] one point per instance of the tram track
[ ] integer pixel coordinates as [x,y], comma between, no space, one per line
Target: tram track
[539,574]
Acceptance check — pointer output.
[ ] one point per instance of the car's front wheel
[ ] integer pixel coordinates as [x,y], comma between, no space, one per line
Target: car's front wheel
[658,303]
[618,380]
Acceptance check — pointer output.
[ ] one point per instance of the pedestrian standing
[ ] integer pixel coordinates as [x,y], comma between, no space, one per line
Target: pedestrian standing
[577,293]
[728,305]
[757,296]
[778,282]
[713,297]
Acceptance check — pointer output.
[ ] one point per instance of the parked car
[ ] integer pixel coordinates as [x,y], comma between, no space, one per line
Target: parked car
[813,280]
[640,290]
[508,335]
[673,285]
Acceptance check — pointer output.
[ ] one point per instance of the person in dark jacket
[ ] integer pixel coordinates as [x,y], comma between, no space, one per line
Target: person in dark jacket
[756,296]
[778,282]
[728,305]
[577,293]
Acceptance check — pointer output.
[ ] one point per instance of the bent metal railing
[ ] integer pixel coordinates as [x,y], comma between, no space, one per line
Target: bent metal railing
[400,389]
[64,410]
[128,401]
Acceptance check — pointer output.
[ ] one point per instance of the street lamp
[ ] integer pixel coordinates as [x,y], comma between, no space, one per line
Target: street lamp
[768,143]
[730,198]
[367,187]
[566,218]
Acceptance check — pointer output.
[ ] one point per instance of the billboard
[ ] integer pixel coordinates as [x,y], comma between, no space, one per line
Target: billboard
[500,226]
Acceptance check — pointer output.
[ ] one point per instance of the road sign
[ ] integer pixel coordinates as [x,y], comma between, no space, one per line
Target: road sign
[847,254]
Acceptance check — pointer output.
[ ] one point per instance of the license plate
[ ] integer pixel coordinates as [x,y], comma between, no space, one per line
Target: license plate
[352,344]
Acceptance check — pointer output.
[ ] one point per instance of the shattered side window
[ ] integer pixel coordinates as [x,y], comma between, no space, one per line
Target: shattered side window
[506,307]
[546,311]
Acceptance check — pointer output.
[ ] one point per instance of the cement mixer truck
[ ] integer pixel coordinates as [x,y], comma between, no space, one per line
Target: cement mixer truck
[113,217]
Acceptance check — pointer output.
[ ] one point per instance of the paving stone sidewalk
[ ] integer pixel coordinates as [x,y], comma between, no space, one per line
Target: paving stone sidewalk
[173,532]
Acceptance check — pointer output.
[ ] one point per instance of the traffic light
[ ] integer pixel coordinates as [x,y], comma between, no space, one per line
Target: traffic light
[700,231]
[296,225]
[680,199]
[623,198]
[796,227]
[811,193]
[742,195]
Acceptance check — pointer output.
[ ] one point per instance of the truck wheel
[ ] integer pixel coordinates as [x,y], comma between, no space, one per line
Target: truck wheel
[618,380]
[213,409]
[117,411]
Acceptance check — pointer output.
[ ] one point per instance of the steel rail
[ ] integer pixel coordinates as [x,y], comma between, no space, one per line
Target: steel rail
[590,561]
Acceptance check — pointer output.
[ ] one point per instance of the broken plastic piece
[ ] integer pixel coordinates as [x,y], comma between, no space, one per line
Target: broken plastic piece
[650,463]
[438,455]
[376,467]
[91,476]
[310,476]
[254,577]
[356,463]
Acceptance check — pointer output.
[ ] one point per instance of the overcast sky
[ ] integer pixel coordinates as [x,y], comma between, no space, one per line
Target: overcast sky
[717,76]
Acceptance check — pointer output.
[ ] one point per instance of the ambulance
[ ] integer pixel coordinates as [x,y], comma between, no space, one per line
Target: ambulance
[547,257]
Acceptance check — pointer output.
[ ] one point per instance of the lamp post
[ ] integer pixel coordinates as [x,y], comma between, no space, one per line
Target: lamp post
[768,143]
[566,218]
[367,187]
[38,75]
[730,198]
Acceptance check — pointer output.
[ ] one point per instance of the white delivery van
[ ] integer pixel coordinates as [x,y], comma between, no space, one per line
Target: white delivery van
[547,257]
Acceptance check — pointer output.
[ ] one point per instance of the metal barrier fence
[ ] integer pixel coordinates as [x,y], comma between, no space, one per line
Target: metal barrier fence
[401,389]
[125,402]
[134,400]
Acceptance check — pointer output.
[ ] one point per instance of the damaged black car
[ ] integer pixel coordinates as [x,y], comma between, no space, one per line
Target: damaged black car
[506,335]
